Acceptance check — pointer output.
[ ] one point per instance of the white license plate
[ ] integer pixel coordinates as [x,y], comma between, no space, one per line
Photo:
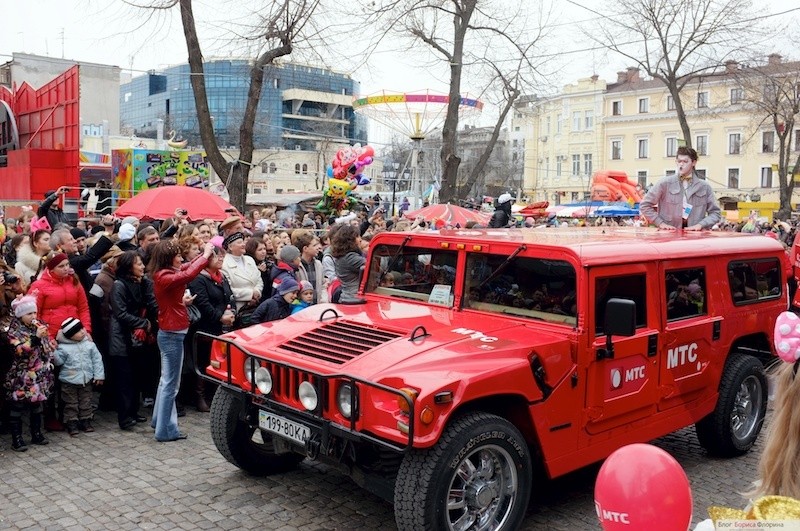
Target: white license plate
[284,427]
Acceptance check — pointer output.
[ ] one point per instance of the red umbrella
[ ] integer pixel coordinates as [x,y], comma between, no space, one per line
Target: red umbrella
[160,203]
[451,215]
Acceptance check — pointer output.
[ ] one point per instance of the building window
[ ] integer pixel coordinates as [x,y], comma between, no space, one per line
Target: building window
[558,166]
[766,177]
[797,139]
[576,121]
[264,167]
[588,120]
[272,167]
[297,169]
[558,124]
[641,179]
[702,100]
[575,196]
[734,143]
[672,146]
[576,164]
[305,169]
[587,163]
[643,148]
[701,173]
[616,150]
[616,108]
[737,95]
[669,173]
[548,126]
[644,105]
[670,103]
[768,142]
[733,178]
[770,92]
[701,144]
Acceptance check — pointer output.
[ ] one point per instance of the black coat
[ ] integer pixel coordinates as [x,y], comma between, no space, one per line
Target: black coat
[211,299]
[54,215]
[128,300]
[501,216]
[272,309]
[82,262]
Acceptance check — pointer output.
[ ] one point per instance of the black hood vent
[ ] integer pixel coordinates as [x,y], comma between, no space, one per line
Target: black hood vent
[339,342]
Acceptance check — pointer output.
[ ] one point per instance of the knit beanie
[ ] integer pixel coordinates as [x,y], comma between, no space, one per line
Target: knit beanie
[289,253]
[77,233]
[71,326]
[232,238]
[55,260]
[287,285]
[126,232]
[305,285]
[24,305]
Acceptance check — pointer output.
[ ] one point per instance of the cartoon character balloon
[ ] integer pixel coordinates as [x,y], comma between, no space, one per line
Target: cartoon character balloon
[345,175]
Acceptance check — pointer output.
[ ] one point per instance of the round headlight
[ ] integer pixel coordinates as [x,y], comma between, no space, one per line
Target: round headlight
[250,366]
[263,380]
[345,400]
[308,396]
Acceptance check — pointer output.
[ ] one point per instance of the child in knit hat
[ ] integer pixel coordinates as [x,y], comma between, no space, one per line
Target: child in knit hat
[82,367]
[305,297]
[30,377]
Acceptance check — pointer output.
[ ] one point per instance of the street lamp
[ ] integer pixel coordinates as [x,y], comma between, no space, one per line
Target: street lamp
[391,174]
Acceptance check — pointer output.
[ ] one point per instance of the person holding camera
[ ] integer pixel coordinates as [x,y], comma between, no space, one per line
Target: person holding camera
[50,209]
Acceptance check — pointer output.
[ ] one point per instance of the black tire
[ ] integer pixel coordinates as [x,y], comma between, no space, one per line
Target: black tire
[498,489]
[234,439]
[733,427]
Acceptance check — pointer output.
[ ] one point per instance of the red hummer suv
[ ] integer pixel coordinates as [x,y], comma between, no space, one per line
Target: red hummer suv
[477,355]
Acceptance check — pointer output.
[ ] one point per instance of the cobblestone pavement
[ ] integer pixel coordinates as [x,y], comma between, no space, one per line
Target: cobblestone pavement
[126,480]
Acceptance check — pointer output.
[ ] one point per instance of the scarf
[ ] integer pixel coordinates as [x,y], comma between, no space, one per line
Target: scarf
[216,275]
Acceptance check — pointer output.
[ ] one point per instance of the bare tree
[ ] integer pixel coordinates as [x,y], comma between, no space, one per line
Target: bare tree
[772,93]
[492,43]
[677,41]
[273,30]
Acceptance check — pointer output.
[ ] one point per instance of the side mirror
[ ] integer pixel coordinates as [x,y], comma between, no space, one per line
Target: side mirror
[620,320]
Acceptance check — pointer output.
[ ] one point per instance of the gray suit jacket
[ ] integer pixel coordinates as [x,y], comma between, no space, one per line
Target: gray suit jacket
[668,195]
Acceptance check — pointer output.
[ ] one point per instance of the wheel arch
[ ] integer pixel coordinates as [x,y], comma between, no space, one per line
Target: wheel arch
[757,345]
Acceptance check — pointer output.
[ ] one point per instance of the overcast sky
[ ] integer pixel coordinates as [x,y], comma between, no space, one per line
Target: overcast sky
[108,32]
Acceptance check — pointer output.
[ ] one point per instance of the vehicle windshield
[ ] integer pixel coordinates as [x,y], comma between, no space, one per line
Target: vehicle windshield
[535,288]
[422,274]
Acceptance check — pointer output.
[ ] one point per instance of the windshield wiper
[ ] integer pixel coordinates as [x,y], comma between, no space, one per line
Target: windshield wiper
[503,266]
[394,259]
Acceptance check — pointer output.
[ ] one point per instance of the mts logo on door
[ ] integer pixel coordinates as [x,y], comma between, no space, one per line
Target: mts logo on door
[681,355]
[625,375]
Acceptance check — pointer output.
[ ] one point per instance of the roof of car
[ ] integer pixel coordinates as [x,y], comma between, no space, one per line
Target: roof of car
[609,245]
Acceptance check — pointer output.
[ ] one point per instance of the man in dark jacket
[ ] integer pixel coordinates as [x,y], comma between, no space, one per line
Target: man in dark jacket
[62,241]
[502,214]
[279,305]
[49,208]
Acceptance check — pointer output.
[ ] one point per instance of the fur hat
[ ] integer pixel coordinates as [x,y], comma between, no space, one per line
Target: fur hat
[504,198]
[305,285]
[70,326]
[55,260]
[289,253]
[24,305]
[287,285]
[126,231]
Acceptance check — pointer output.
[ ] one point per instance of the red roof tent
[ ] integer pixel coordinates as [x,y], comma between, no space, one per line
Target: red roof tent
[48,122]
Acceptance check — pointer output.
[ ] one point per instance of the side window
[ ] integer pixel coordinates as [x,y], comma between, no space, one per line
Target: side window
[426,275]
[535,288]
[633,287]
[751,281]
[686,293]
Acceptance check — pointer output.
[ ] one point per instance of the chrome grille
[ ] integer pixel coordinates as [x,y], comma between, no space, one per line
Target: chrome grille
[339,342]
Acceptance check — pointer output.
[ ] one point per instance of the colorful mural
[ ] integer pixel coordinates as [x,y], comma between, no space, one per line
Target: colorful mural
[135,170]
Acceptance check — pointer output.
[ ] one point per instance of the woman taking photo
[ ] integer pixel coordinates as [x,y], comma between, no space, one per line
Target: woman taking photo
[133,319]
[170,278]
[214,299]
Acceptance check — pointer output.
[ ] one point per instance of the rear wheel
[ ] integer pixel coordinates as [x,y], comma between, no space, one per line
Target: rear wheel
[478,476]
[234,439]
[733,427]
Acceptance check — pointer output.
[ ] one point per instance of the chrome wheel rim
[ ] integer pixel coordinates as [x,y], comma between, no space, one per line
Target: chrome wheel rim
[482,491]
[746,408]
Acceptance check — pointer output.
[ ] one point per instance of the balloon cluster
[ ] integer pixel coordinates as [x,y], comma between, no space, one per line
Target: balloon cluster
[344,175]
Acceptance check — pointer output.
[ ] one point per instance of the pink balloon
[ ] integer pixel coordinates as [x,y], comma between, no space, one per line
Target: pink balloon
[641,486]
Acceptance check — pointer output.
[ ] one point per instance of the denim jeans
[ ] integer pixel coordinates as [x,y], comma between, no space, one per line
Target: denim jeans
[165,416]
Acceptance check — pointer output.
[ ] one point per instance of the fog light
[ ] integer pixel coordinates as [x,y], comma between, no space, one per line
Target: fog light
[346,400]
[263,380]
[308,396]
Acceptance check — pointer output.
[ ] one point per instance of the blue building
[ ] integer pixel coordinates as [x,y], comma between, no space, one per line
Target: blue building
[300,105]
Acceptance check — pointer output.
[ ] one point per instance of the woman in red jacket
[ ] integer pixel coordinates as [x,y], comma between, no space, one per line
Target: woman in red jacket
[170,278]
[59,294]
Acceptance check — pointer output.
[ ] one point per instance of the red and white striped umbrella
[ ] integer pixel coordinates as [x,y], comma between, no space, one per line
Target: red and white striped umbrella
[450,214]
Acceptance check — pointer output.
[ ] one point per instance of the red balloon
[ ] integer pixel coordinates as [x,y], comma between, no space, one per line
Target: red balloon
[641,486]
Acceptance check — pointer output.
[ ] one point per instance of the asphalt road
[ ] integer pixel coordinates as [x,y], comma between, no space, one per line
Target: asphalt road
[126,480]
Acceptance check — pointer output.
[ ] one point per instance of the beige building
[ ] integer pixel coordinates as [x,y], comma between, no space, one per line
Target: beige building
[631,125]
